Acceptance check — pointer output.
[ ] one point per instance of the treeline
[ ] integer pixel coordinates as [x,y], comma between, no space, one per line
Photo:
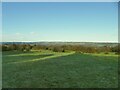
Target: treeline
[60,48]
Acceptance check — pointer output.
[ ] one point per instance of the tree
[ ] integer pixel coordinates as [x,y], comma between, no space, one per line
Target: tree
[27,47]
[22,47]
[4,48]
[116,49]
[13,47]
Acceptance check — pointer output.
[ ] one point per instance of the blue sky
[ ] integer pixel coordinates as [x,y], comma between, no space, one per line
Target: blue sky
[60,0]
[0,21]
[97,22]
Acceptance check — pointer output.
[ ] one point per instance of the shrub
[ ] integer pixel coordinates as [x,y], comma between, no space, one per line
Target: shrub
[21,47]
[46,48]
[36,47]
[27,47]
[58,49]
[4,48]
[117,53]
[63,50]
[106,53]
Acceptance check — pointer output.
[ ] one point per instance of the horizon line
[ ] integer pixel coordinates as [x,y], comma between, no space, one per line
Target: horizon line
[69,41]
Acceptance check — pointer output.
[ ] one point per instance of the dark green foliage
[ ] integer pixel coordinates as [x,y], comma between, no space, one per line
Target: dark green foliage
[0,47]
[106,53]
[61,48]
[28,48]
[46,48]
[116,49]
[4,48]
[22,47]
[56,49]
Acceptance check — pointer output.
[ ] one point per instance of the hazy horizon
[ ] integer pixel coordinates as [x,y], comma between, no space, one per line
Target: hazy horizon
[66,22]
[66,41]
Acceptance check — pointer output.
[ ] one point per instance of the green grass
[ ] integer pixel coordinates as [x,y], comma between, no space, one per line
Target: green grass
[48,69]
[0,69]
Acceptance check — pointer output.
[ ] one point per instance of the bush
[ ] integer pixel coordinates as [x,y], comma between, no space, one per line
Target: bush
[117,53]
[4,48]
[58,49]
[106,53]
[21,47]
[36,47]
[28,48]
[63,50]
[55,49]
[46,48]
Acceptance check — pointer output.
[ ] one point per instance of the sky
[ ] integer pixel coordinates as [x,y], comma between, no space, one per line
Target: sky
[0,22]
[50,21]
[60,0]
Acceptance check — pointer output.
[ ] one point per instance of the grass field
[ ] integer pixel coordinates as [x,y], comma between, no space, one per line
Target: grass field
[47,69]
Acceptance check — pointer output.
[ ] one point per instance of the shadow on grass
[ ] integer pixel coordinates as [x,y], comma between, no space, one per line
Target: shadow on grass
[15,52]
[13,59]
[44,57]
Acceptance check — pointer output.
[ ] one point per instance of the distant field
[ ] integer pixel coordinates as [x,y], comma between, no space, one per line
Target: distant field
[47,69]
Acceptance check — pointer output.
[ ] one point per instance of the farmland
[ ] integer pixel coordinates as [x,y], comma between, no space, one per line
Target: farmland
[48,69]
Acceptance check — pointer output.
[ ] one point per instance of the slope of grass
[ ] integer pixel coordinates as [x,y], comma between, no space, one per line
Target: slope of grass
[0,69]
[48,69]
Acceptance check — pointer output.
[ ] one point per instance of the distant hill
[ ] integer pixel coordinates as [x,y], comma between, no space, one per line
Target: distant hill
[65,43]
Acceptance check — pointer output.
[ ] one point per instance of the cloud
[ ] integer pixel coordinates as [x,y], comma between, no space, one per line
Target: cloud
[33,33]
[18,37]
[17,33]
[33,36]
